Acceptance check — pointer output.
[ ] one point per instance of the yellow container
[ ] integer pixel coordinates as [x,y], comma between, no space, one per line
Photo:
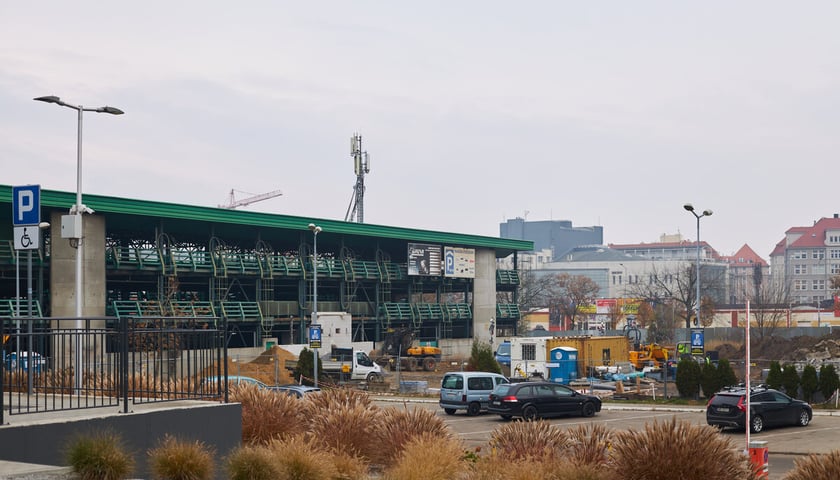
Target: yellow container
[593,351]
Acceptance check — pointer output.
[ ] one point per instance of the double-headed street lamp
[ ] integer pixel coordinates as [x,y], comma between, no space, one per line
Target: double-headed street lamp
[315,231]
[706,213]
[79,208]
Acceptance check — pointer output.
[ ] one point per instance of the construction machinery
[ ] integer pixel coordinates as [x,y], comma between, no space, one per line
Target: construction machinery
[398,350]
[234,203]
[651,354]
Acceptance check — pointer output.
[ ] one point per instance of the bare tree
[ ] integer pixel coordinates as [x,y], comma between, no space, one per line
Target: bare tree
[676,282]
[769,303]
[575,292]
[534,291]
[646,315]
[615,313]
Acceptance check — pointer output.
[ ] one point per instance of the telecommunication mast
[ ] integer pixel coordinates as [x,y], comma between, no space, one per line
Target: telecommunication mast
[361,165]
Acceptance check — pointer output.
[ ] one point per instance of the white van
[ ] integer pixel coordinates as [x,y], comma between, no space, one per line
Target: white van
[468,391]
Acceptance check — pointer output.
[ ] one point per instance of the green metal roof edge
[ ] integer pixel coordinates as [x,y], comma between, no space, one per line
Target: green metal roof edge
[127,206]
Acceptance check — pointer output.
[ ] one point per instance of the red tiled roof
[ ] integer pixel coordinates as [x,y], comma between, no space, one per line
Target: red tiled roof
[779,249]
[815,236]
[748,255]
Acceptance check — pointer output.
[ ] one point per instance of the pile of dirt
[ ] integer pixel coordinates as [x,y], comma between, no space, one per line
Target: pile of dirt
[269,367]
[797,349]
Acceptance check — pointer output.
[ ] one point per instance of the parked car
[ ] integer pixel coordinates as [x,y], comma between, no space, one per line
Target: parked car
[502,353]
[295,390]
[768,408]
[534,400]
[213,384]
[468,391]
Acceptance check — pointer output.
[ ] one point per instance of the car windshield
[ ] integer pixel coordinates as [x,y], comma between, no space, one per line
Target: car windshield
[504,349]
[453,382]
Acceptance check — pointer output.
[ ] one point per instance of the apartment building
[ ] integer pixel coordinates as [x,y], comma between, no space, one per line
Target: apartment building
[806,259]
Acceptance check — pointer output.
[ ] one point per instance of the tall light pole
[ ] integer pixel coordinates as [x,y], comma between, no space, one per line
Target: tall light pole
[706,213]
[315,231]
[77,210]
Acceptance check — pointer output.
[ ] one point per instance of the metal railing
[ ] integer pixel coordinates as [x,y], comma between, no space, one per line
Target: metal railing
[138,360]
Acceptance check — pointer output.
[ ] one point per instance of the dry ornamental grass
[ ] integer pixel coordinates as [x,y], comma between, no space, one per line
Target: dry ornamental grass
[534,440]
[816,467]
[678,449]
[398,426]
[267,415]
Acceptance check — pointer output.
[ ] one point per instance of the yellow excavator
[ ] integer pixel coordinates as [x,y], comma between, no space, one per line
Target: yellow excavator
[399,344]
[650,354]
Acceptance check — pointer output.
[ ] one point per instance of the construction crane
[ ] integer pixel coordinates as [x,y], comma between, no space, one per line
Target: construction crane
[233,202]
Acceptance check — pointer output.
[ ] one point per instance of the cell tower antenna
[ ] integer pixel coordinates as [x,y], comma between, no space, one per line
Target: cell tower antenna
[361,165]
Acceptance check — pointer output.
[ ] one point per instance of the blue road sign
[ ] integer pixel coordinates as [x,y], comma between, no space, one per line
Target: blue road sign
[314,336]
[26,205]
[449,263]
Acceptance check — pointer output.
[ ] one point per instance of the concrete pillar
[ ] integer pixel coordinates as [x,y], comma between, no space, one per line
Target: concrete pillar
[63,269]
[484,294]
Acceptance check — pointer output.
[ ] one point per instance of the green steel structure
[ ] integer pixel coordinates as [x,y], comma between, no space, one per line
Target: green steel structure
[256,269]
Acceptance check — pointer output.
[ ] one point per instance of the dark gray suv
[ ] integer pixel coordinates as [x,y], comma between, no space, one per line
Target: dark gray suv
[768,408]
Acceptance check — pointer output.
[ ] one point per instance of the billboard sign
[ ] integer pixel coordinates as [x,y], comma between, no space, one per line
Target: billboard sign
[458,262]
[423,259]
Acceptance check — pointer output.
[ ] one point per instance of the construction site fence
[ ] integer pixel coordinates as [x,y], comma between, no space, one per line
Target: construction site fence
[53,364]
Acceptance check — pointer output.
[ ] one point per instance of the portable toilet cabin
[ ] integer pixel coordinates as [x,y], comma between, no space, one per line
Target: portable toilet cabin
[563,364]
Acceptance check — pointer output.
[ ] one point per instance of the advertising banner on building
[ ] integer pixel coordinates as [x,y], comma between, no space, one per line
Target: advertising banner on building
[605,305]
[458,262]
[837,305]
[423,259]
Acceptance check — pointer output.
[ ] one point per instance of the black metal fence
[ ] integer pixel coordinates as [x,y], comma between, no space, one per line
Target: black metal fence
[138,360]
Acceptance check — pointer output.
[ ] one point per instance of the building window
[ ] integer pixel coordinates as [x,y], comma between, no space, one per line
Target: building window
[529,351]
[800,269]
[834,239]
[800,285]
[834,269]
[799,255]
[818,269]
[834,253]
[818,254]
[819,285]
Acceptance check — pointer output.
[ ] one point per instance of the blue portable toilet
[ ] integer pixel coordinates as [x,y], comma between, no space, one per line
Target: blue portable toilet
[562,367]
[13,364]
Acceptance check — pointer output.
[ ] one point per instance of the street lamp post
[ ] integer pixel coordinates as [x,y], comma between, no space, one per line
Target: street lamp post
[77,210]
[315,231]
[706,213]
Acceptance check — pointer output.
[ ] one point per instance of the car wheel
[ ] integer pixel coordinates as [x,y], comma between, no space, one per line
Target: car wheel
[530,413]
[449,411]
[375,378]
[804,418]
[588,409]
[756,424]
[473,409]
[506,417]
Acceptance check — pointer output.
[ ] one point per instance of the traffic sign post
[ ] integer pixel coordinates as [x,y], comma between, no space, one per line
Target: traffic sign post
[26,205]
[26,219]
[697,342]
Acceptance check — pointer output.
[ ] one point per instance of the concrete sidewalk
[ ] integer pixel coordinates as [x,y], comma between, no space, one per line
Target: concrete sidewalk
[31,471]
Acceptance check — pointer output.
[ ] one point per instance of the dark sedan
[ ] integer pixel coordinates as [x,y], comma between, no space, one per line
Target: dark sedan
[534,400]
[768,408]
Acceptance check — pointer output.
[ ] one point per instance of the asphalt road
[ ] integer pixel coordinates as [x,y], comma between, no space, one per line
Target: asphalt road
[785,444]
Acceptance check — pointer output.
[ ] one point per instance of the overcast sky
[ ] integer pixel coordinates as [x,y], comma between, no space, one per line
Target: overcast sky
[610,113]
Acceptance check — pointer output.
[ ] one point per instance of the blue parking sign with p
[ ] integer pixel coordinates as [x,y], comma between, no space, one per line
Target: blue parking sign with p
[26,205]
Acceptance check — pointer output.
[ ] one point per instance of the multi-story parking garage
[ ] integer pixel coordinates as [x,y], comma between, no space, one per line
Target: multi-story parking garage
[146,258]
